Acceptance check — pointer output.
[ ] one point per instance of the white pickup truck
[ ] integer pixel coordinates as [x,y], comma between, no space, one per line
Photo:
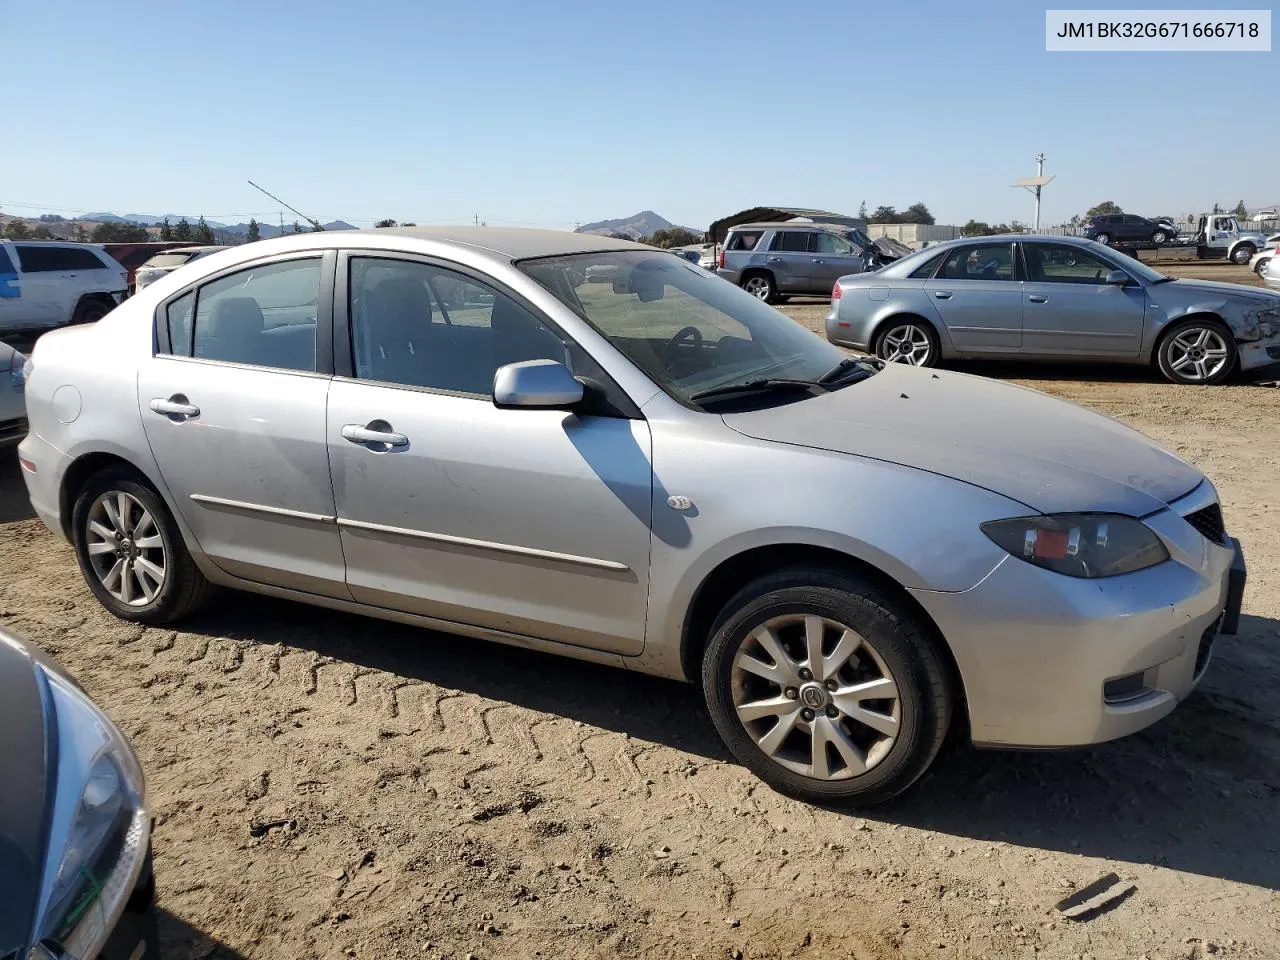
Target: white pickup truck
[47,284]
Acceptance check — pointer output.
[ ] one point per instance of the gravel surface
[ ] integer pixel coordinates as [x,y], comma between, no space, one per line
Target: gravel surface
[332,786]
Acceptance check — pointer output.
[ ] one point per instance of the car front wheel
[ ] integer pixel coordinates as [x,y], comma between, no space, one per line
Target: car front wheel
[1243,253]
[826,688]
[1261,266]
[1159,237]
[1197,352]
[1103,238]
[131,552]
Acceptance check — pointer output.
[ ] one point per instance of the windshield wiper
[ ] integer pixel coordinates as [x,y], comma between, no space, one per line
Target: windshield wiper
[755,386]
[843,367]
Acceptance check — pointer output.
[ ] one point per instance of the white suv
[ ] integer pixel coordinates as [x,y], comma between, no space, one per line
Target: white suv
[47,284]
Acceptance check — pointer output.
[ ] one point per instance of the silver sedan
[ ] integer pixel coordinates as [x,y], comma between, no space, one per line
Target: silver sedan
[13,421]
[1053,298]
[602,451]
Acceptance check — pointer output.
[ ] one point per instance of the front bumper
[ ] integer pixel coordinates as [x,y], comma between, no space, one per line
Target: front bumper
[1052,661]
[1259,353]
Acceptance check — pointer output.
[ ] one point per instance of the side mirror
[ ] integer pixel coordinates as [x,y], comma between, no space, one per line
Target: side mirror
[1117,278]
[544,384]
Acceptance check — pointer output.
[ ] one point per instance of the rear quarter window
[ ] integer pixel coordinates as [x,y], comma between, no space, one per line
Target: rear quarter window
[746,240]
[926,269]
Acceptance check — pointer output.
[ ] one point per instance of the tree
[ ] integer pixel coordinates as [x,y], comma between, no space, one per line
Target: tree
[16,230]
[1216,209]
[183,230]
[1105,208]
[1240,211]
[408,224]
[296,227]
[1074,221]
[166,231]
[119,233]
[918,213]
[884,214]
[673,237]
[862,210]
[50,218]
[975,228]
[203,233]
[621,236]
[253,234]
[386,223]
[42,233]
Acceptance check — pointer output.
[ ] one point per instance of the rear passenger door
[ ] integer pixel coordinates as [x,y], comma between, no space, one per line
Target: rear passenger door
[790,260]
[233,403]
[978,295]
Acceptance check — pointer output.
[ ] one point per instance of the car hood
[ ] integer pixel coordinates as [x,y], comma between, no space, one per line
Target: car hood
[22,807]
[1051,455]
[1218,289]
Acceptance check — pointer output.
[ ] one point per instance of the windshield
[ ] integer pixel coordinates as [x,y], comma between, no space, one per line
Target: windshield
[690,331]
[1134,266]
[168,259]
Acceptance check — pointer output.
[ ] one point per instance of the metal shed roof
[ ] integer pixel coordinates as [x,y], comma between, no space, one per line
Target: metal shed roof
[776,214]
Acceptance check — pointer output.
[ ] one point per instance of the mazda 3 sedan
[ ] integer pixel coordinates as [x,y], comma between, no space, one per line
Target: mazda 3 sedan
[597,449]
[1053,298]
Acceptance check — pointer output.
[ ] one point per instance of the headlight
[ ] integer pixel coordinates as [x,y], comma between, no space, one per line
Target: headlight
[99,829]
[1080,544]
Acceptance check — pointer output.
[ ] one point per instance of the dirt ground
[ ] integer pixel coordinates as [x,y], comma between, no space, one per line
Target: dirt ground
[330,786]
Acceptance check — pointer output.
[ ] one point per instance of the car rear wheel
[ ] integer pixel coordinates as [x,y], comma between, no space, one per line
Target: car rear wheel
[90,311]
[1159,237]
[760,286]
[1103,238]
[825,687]
[1261,266]
[908,341]
[1243,253]
[1197,352]
[131,552]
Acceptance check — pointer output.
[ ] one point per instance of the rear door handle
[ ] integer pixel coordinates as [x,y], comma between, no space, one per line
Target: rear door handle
[1036,298]
[175,406]
[942,294]
[358,434]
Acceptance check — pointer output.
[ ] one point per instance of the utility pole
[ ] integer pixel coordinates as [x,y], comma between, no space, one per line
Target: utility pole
[1035,184]
[477,219]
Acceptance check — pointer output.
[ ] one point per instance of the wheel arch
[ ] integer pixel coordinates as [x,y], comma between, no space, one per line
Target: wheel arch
[104,299]
[77,475]
[735,572]
[1201,315]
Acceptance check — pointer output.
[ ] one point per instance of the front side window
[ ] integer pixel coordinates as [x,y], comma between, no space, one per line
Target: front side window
[39,258]
[264,315]
[421,325]
[831,244]
[986,262]
[688,331]
[1062,263]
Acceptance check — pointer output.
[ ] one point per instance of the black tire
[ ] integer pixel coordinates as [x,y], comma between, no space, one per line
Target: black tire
[896,324]
[184,588]
[924,695]
[1167,353]
[1243,253]
[760,284]
[90,311]
[1103,238]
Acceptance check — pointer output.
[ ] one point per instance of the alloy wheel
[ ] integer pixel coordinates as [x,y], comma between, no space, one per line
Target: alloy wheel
[1197,354]
[908,344]
[758,287]
[816,697]
[125,548]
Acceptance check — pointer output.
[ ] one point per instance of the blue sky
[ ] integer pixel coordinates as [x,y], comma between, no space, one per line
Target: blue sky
[546,114]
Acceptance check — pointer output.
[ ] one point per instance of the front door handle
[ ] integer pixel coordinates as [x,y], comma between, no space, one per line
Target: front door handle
[175,406]
[942,294]
[1037,298]
[371,434]
[775,259]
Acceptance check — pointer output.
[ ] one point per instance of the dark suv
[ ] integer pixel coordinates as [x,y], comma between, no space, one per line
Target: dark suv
[1127,227]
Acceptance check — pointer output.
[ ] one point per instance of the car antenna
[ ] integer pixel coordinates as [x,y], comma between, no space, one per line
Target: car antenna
[314,223]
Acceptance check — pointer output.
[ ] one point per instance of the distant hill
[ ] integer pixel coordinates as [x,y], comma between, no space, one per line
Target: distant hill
[146,219]
[642,224]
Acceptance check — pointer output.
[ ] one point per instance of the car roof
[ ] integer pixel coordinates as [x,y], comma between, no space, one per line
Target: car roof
[517,243]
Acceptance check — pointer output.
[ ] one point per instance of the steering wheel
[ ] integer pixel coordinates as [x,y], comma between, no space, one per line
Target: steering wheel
[669,352]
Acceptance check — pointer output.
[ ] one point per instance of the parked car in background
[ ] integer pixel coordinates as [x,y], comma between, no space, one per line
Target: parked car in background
[1259,260]
[75,830]
[45,283]
[1109,228]
[133,255]
[774,260]
[1271,273]
[13,413]
[1055,298]
[1030,570]
[166,262]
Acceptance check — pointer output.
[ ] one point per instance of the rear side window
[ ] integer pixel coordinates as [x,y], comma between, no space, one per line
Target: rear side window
[986,262]
[168,260]
[264,316]
[925,270]
[745,240]
[39,258]
[791,241]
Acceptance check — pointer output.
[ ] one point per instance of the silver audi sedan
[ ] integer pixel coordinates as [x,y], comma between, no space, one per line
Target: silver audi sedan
[1053,298]
[593,448]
